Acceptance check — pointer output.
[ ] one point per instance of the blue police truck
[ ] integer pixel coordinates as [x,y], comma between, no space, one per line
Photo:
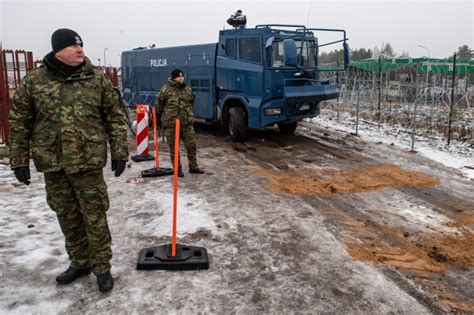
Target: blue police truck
[250,78]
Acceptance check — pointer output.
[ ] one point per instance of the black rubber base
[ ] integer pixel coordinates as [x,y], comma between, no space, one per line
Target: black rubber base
[142,158]
[153,172]
[159,258]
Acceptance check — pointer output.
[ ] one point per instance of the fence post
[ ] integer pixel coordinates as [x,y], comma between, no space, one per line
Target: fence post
[29,61]
[452,101]
[413,132]
[357,108]
[337,100]
[380,92]
[4,98]
[414,127]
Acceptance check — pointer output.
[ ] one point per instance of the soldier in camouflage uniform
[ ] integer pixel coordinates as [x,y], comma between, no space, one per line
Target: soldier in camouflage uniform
[175,101]
[64,113]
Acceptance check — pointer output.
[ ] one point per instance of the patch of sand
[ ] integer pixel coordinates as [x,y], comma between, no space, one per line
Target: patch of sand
[329,182]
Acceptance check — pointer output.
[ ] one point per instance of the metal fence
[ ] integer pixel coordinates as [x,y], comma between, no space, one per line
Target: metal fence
[434,105]
[14,65]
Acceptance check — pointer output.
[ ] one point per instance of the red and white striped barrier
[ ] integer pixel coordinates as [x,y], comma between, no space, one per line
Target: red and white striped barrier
[142,130]
[142,134]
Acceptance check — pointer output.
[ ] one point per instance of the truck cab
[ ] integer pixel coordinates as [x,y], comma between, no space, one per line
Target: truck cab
[271,75]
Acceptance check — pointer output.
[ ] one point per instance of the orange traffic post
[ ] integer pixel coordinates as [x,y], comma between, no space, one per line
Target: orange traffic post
[156,171]
[155,141]
[173,256]
[175,185]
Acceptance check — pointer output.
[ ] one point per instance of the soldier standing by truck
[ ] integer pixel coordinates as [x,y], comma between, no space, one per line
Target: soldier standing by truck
[64,112]
[175,101]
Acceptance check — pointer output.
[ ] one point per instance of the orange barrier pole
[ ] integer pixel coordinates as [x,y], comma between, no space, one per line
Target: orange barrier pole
[175,185]
[155,140]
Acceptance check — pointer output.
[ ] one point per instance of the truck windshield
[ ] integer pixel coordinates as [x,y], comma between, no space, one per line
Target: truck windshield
[306,51]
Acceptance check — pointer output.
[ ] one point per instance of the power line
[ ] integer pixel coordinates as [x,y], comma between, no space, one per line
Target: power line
[309,12]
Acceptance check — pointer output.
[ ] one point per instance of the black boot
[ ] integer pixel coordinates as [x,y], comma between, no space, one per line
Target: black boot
[72,274]
[196,170]
[180,173]
[105,282]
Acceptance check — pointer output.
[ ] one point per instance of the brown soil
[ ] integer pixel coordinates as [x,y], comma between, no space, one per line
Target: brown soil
[418,254]
[328,182]
[396,248]
[422,255]
[453,304]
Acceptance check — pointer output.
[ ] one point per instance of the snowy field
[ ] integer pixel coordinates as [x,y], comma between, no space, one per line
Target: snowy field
[457,155]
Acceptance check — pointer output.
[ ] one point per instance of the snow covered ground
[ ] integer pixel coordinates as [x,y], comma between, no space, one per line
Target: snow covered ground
[32,245]
[457,155]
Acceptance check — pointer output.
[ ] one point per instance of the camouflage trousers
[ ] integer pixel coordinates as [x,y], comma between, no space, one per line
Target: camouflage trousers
[80,201]
[186,133]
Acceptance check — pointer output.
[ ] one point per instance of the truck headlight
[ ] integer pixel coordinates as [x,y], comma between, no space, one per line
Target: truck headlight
[273,111]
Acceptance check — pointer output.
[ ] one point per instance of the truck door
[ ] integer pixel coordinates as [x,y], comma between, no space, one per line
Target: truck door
[201,86]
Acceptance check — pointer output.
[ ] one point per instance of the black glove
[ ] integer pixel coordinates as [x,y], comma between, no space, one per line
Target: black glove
[118,166]
[22,173]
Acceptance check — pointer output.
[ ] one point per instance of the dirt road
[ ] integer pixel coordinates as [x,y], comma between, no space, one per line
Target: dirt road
[317,222]
[410,218]
[323,222]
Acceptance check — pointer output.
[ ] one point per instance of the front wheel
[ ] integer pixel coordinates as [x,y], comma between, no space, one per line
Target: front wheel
[237,126]
[288,129]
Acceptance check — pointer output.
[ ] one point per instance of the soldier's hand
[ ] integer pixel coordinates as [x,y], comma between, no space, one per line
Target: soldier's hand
[118,166]
[22,173]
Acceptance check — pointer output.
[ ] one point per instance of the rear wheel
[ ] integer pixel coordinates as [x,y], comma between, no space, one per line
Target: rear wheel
[237,127]
[288,129]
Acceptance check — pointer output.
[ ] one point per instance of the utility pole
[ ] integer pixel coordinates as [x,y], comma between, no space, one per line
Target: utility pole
[105,59]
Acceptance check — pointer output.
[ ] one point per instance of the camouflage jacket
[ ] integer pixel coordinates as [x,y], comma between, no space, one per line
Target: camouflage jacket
[66,122]
[175,101]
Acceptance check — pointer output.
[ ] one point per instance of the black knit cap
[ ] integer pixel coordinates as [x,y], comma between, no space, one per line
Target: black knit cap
[63,38]
[176,73]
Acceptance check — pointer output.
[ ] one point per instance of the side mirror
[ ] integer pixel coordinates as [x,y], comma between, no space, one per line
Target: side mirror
[346,55]
[269,42]
[289,50]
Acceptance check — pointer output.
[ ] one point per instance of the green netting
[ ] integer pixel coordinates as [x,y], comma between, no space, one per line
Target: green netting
[437,66]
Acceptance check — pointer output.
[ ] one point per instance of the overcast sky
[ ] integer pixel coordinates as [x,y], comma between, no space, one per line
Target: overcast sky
[441,26]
